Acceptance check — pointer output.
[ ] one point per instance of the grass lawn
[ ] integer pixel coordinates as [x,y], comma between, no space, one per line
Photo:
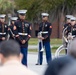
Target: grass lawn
[34,41]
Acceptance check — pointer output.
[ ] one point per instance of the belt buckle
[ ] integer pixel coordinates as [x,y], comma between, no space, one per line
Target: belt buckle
[2,33]
[23,33]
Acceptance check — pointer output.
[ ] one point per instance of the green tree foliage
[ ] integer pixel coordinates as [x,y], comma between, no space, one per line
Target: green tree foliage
[54,7]
[6,6]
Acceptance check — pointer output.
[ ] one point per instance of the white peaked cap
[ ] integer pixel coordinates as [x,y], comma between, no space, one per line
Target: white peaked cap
[45,14]
[73,18]
[14,18]
[69,16]
[2,15]
[22,11]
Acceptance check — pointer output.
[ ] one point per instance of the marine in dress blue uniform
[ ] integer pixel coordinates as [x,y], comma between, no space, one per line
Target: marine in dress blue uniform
[3,28]
[45,29]
[12,28]
[72,34]
[73,27]
[68,30]
[23,34]
[68,24]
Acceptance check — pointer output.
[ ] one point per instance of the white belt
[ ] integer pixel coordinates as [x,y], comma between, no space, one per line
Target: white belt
[73,36]
[3,33]
[44,32]
[23,33]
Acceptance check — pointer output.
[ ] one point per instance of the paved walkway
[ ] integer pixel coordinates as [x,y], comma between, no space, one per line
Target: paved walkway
[32,60]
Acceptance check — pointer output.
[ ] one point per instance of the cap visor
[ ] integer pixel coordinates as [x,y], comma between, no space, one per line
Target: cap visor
[22,14]
[68,18]
[72,20]
[2,17]
[44,16]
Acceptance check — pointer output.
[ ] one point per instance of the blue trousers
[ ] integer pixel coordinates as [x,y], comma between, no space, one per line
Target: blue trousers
[47,51]
[24,51]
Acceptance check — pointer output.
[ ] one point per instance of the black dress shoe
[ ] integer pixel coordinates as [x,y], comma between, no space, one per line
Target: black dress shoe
[38,64]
